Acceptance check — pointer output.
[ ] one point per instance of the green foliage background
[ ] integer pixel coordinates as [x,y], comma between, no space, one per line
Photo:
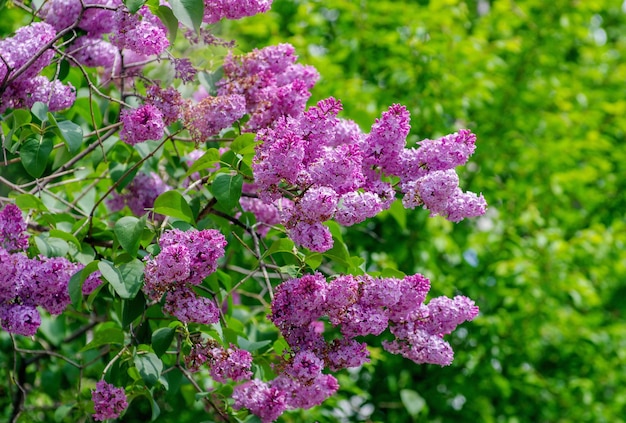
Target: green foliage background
[542,85]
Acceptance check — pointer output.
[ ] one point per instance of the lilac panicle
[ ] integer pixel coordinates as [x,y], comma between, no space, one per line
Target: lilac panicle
[109,401]
[13,236]
[216,10]
[141,124]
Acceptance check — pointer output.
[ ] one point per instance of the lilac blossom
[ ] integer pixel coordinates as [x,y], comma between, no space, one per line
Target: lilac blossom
[169,101]
[20,319]
[140,32]
[141,124]
[267,402]
[13,236]
[139,195]
[185,259]
[109,401]
[215,10]
[212,114]
[272,84]
[95,52]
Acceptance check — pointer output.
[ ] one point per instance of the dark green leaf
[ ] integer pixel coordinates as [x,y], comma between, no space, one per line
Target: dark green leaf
[172,203]
[133,308]
[134,5]
[35,153]
[75,285]
[126,279]
[227,189]
[169,20]
[72,134]
[162,339]
[207,161]
[150,367]
[129,231]
[40,110]
[189,12]
[105,336]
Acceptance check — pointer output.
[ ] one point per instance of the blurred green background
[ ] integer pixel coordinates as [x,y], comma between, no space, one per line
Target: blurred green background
[542,85]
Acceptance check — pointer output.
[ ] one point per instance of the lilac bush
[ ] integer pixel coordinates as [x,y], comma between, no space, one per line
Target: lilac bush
[192,230]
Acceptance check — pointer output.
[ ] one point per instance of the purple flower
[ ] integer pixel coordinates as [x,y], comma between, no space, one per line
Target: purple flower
[268,403]
[184,304]
[19,319]
[139,195]
[141,124]
[184,70]
[215,10]
[109,401]
[211,115]
[13,236]
[168,101]
[141,32]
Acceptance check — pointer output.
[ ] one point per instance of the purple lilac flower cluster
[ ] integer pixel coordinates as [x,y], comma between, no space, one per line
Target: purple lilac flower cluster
[13,236]
[22,90]
[212,114]
[109,401]
[271,82]
[28,283]
[141,124]
[186,258]
[358,306]
[300,384]
[139,195]
[338,172]
[216,10]
[230,363]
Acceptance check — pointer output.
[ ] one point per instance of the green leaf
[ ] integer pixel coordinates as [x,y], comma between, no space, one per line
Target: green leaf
[173,204]
[30,202]
[209,80]
[126,279]
[75,285]
[282,245]
[150,367]
[412,401]
[40,110]
[250,346]
[280,346]
[55,233]
[34,154]
[207,161]
[169,20]
[129,231]
[117,170]
[162,339]
[131,309]
[189,12]
[134,5]
[51,247]
[227,189]
[105,336]
[244,144]
[72,134]
[313,260]
[398,212]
